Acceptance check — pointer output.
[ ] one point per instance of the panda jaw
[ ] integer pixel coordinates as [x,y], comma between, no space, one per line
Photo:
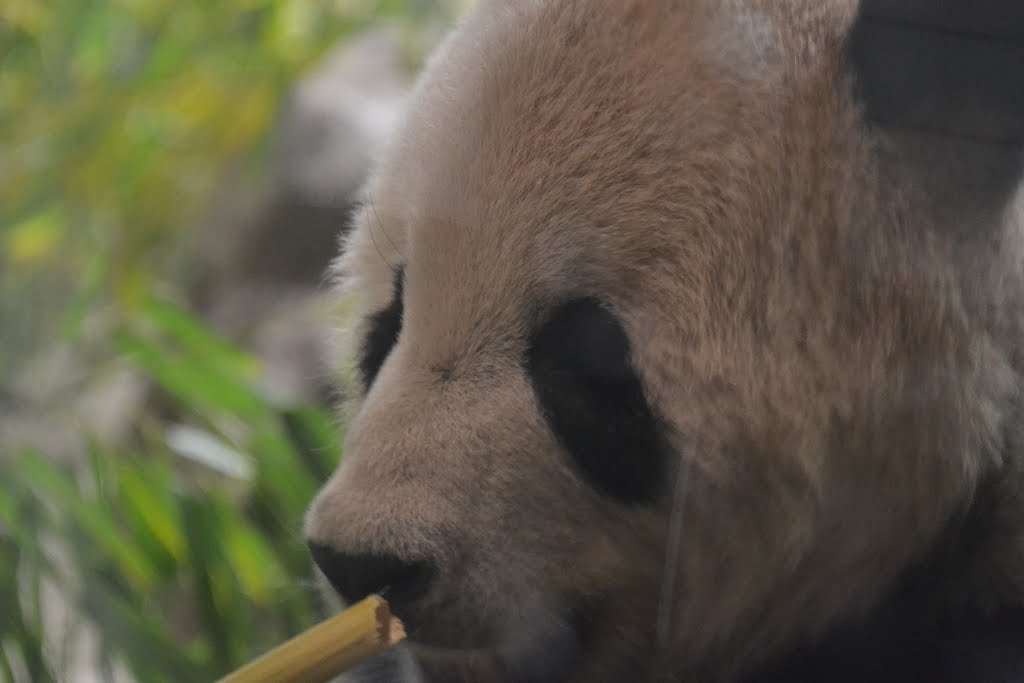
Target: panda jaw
[540,646]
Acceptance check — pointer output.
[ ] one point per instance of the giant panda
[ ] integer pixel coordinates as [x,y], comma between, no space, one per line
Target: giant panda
[669,372]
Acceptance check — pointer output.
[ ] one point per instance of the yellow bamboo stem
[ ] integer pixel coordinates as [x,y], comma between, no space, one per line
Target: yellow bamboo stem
[327,649]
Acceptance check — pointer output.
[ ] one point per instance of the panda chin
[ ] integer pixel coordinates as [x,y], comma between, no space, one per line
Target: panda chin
[540,647]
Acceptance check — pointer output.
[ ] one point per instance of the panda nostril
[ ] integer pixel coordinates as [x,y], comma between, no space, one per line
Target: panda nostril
[356,576]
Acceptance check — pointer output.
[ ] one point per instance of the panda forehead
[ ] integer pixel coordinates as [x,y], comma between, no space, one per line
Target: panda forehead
[492,276]
[468,288]
[488,234]
[492,308]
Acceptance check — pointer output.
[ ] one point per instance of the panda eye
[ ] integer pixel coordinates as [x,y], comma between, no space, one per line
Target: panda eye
[593,401]
[384,328]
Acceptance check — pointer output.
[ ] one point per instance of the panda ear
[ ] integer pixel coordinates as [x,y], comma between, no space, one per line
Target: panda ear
[943,82]
[833,20]
[755,38]
[841,15]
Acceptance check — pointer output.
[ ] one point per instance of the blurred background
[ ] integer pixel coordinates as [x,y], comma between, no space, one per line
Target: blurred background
[174,177]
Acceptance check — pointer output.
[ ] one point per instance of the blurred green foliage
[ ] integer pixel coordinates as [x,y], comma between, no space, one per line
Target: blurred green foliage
[185,554]
[117,117]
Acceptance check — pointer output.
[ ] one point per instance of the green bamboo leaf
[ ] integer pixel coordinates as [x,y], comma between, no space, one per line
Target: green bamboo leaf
[194,386]
[8,505]
[253,562]
[23,609]
[8,586]
[140,637]
[94,518]
[121,484]
[28,516]
[36,238]
[197,341]
[203,534]
[93,46]
[315,437]
[101,468]
[93,279]
[6,669]
[281,472]
[150,499]
[165,58]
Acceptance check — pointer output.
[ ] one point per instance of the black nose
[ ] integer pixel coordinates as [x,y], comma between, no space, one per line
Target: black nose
[356,576]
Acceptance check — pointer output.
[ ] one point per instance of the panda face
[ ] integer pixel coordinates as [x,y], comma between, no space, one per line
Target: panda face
[504,477]
[555,290]
[616,247]
[579,363]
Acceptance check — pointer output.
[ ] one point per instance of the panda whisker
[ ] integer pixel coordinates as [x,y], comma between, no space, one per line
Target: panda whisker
[380,224]
[374,239]
[670,572]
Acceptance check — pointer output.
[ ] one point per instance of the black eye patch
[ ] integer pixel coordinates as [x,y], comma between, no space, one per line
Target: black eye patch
[384,328]
[593,401]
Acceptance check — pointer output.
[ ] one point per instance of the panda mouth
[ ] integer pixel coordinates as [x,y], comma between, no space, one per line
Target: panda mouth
[536,648]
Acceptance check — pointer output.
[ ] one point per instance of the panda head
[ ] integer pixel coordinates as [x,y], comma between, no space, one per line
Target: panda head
[573,322]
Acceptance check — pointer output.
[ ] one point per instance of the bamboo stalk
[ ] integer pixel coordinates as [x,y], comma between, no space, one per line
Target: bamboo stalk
[327,649]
